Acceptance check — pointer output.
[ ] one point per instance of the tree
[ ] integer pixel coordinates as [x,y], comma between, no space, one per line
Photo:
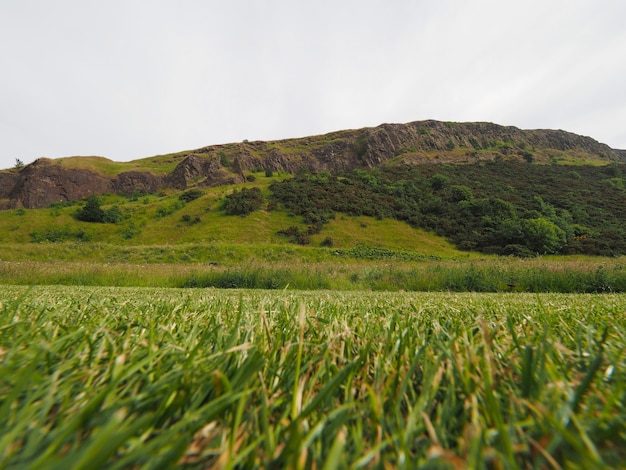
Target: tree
[18,164]
[438,181]
[542,235]
[91,212]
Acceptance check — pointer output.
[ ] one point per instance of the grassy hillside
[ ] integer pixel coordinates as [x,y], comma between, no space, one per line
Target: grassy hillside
[163,219]
[384,229]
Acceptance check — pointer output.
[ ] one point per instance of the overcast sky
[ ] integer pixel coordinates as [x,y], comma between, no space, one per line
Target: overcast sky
[128,79]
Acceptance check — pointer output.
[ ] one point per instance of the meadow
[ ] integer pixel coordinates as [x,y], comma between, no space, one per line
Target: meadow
[115,377]
[277,267]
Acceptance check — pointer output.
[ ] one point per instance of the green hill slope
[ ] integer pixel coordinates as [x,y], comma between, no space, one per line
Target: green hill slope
[502,207]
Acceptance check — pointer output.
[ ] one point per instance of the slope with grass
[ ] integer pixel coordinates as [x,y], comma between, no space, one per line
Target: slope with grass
[362,230]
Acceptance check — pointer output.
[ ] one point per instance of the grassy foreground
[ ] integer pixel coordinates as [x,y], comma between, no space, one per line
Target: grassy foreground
[95,377]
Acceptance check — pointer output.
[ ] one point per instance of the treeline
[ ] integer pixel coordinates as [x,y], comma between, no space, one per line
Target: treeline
[501,207]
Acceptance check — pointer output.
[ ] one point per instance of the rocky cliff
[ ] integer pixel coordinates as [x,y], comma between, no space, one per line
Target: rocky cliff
[46,181]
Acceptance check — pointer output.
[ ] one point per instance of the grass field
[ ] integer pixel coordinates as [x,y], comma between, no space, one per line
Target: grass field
[96,377]
[269,266]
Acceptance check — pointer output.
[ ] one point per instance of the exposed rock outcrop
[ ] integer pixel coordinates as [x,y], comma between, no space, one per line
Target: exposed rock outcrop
[43,182]
[201,170]
[131,182]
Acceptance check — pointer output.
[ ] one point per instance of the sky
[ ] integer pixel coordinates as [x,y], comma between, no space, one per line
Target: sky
[128,79]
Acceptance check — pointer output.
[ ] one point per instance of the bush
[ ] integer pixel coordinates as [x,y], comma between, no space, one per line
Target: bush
[92,212]
[59,234]
[327,242]
[243,202]
[295,235]
[112,215]
[190,195]
[186,218]
[438,182]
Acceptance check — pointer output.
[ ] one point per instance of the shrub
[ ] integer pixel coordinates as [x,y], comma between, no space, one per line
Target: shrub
[190,195]
[224,159]
[186,218]
[542,235]
[438,182]
[112,215]
[295,235]
[58,234]
[91,211]
[327,242]
[243,202]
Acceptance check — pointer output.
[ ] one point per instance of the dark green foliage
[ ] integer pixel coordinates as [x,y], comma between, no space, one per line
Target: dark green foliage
[60,204]
[224,161]
[438,182]
[190,195]
[503,207]
[58,235]
[243,202]
[327,242]
[458,193]
[92,212]
[377,253]
[295,235]
[112,215]
[186,218]
[130,232]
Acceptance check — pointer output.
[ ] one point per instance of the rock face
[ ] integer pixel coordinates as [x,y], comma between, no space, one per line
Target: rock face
[46,181]
[130,182]
[196,169]
[43,182]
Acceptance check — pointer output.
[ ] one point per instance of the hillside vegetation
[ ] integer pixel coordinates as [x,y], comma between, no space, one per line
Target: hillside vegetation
[501,207]
[382,229]
[351,209]
[504,207]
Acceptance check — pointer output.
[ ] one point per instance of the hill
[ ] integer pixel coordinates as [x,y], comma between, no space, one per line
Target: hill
[49,181]
[424,190]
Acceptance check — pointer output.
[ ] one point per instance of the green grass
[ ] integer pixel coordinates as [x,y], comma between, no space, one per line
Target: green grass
[169,378]
[293,267]
[159,165]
